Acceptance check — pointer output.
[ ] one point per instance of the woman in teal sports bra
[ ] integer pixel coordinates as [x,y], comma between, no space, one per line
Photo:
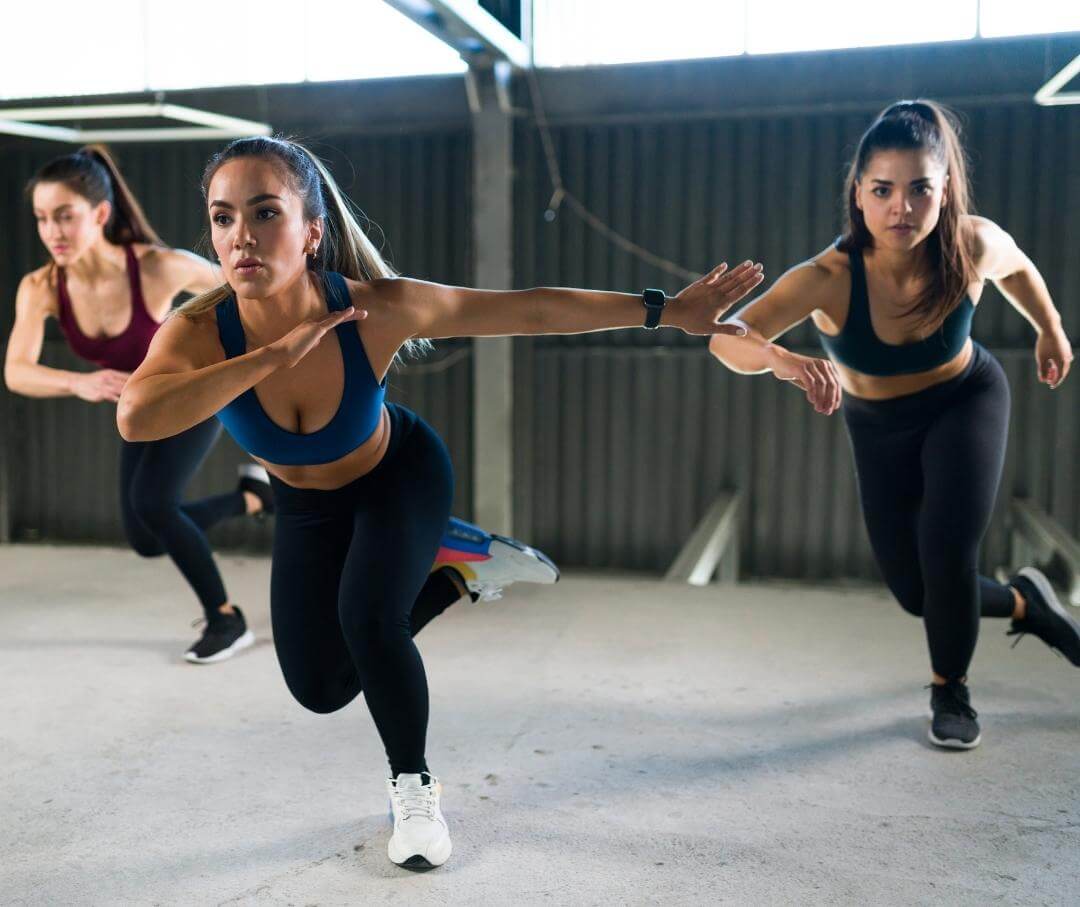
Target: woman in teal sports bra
[293,353]
[926,408]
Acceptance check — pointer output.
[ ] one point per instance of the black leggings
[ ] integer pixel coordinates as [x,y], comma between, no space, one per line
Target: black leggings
[928,467]
[349,586]
[153,476]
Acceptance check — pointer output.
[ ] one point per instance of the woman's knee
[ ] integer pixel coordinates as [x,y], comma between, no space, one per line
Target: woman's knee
[321,696]
[155,510]
[145,545]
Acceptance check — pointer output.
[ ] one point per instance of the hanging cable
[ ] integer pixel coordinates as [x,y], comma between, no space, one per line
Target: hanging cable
[561,195]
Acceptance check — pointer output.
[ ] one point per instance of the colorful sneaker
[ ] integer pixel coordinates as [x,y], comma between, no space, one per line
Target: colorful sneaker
[487,563]
[223,636]
[253,478]
[953,723]
[1046,617]
[421,840]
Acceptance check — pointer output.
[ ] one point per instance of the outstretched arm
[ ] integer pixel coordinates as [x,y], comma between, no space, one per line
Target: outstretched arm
[432,310]
[999,259]
[788,302]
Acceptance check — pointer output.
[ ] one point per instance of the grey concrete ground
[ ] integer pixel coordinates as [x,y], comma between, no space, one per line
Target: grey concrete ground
[609,740]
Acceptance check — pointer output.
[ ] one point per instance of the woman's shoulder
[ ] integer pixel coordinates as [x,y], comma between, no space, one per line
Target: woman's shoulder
[37,289]
[822,274]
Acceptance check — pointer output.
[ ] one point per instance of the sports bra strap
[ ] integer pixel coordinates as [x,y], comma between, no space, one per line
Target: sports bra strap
[230,330]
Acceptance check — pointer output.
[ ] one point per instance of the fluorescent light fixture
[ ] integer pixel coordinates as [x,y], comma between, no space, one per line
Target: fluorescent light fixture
[27,121]
[1051,95]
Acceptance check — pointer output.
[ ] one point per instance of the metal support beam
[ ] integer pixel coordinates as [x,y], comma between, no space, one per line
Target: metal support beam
[468,28]
[492,229]
[713,544]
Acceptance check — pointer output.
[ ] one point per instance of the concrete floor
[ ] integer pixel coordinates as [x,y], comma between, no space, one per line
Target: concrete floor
[609,740]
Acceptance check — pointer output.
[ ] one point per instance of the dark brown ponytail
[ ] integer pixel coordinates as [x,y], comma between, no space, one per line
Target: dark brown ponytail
[92,173]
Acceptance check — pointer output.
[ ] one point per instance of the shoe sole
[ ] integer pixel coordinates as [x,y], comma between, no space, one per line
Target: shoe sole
[1038,579]
[243,642]
[951,743]
[419,862]
[527,558]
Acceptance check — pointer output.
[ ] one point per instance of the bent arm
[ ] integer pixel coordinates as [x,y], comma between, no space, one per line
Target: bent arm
[787,303]
[183,381]
[1015,275]
[22,372]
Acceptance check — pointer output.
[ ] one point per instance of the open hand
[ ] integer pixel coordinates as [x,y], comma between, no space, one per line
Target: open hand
[303,338]
[1053,357]
[100,386]
[699,308]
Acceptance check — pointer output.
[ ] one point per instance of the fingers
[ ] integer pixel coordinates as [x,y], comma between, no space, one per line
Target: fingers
[340,317]
[1066,365]
[735,284]
[715,274]
[822,386]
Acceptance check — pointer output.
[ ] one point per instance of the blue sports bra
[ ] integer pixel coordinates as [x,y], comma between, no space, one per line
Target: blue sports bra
[354,422]
[860,349]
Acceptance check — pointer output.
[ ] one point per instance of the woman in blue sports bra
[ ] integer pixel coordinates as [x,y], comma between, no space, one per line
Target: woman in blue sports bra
[292,356]
[927,409]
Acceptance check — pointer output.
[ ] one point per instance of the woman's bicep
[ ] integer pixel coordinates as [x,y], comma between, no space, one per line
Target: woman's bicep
[787,303]
[180,345]
[28,332]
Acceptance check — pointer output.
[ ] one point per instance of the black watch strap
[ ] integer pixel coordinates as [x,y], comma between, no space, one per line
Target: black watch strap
[654,301]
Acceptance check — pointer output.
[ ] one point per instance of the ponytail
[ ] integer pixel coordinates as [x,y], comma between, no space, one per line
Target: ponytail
[92,173]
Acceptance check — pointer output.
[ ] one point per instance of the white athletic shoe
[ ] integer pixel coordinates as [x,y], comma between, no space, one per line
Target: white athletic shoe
[488,563]
[421,840]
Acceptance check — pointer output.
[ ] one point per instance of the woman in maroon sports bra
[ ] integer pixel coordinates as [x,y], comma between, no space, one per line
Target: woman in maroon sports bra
[110,283]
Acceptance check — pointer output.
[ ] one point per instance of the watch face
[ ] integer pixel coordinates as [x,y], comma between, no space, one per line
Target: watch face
[654,299]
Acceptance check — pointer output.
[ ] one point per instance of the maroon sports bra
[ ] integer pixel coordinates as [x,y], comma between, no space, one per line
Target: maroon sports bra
[124,352]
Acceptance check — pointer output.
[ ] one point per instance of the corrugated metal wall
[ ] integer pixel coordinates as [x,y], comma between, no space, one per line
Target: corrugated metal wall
[624,438]
[61,455]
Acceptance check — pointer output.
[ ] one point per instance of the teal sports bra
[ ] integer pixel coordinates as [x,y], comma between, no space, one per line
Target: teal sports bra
[860,349]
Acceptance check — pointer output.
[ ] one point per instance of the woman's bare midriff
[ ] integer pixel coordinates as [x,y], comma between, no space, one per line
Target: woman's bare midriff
[338,473]
[885,387]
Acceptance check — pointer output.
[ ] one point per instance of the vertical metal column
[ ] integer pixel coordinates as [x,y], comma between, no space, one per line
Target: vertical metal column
[492,219]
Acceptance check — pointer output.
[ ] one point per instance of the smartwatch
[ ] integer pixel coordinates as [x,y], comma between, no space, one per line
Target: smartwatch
[654,301]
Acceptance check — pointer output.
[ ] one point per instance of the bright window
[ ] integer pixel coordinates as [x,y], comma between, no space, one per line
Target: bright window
[70,47]
[583,32]
[361,39]
[998,18]
[135,45]
[776,26]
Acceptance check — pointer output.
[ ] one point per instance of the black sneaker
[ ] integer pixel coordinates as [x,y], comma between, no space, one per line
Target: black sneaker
[253,478]
[223,637]
[1046,617]
[952,722]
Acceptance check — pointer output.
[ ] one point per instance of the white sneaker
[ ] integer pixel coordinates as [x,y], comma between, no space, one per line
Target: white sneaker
[421,840]
[487,563]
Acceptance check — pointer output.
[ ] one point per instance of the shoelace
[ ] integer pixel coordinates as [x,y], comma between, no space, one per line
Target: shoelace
[958,705]
[415,801]
[489,593]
